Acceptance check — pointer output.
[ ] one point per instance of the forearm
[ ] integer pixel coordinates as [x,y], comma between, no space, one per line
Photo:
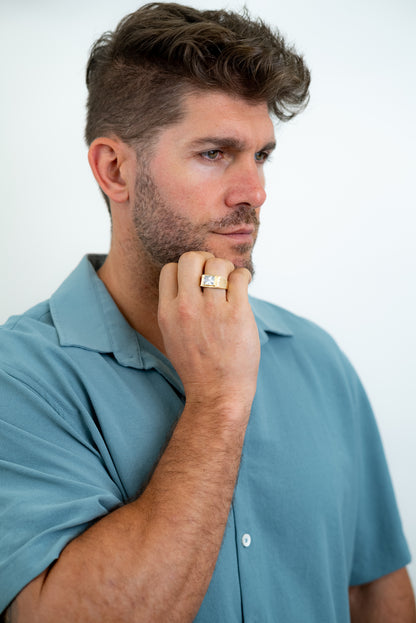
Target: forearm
[389,599]
[151,560]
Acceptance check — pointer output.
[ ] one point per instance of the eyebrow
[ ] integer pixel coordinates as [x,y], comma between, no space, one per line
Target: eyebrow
[228,143]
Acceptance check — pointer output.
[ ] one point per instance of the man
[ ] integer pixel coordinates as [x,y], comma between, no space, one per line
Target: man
[172,450]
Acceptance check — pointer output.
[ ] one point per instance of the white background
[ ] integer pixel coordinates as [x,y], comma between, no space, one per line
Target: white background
[338,235]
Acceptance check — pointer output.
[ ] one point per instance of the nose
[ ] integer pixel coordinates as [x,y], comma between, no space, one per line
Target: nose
[246,187]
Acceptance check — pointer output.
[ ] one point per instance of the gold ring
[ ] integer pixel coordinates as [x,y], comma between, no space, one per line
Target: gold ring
[214,281]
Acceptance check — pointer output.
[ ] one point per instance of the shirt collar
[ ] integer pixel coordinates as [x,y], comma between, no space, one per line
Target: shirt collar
[269,319]
[86,316]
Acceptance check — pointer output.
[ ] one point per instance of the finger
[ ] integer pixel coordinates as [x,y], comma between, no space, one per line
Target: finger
[168,282]
[190,269]
[217,266]
[238,282]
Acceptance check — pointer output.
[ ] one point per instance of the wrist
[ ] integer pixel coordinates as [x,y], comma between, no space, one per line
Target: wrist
[231,408]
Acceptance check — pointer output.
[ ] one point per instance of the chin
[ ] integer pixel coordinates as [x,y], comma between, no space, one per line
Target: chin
[240,256]
[242,262]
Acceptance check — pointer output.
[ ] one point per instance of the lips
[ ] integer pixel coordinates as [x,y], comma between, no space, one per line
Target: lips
[246,230]
[242,235]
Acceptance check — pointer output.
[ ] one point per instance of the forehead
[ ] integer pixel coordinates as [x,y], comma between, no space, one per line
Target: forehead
[215,113]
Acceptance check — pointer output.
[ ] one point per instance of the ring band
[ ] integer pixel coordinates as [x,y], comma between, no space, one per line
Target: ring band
[214,281]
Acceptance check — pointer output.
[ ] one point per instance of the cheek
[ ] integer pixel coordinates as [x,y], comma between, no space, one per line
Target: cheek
[192,198]
[188,187]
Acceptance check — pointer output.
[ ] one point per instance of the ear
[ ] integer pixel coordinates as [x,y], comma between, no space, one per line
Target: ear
[112,164]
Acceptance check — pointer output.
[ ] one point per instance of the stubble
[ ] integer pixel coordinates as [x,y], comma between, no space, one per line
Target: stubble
[165,235]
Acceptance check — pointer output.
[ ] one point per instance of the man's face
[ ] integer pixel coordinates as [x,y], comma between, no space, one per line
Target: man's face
[204,186]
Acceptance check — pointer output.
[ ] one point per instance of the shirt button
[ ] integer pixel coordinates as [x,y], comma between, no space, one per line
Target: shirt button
[246,540]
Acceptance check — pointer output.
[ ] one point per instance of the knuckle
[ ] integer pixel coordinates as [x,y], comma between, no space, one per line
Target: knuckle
[163,314]
[168,268]
[188,255]
[218,265]
[235,316]
[242,274]
[185,311]
[210,307]
[194,255]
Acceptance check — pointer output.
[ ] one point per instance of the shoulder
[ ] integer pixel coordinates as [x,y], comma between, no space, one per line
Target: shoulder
[310,345]
[36,321]
[275,319]
[27,337]
[34,368]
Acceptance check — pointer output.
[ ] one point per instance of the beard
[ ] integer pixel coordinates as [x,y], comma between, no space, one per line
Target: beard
[165,235]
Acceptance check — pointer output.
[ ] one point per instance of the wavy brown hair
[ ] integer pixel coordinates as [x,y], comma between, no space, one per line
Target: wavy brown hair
[138,75]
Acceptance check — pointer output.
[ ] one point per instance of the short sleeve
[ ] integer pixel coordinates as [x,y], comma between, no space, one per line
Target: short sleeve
[380,546]
[53,482]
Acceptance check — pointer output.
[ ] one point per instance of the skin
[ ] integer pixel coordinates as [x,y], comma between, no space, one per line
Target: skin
[209,173]
[212,190]
[388,600]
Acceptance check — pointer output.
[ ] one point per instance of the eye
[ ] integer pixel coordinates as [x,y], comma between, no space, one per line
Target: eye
[212,154]
[261,156]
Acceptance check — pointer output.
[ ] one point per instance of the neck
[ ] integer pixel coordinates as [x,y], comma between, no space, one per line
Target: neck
[134,285]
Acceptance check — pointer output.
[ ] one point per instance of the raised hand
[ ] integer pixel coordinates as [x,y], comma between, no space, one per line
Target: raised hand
[209,334]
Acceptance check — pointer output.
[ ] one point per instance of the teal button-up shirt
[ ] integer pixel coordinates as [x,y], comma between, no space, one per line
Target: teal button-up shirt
[86,404]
